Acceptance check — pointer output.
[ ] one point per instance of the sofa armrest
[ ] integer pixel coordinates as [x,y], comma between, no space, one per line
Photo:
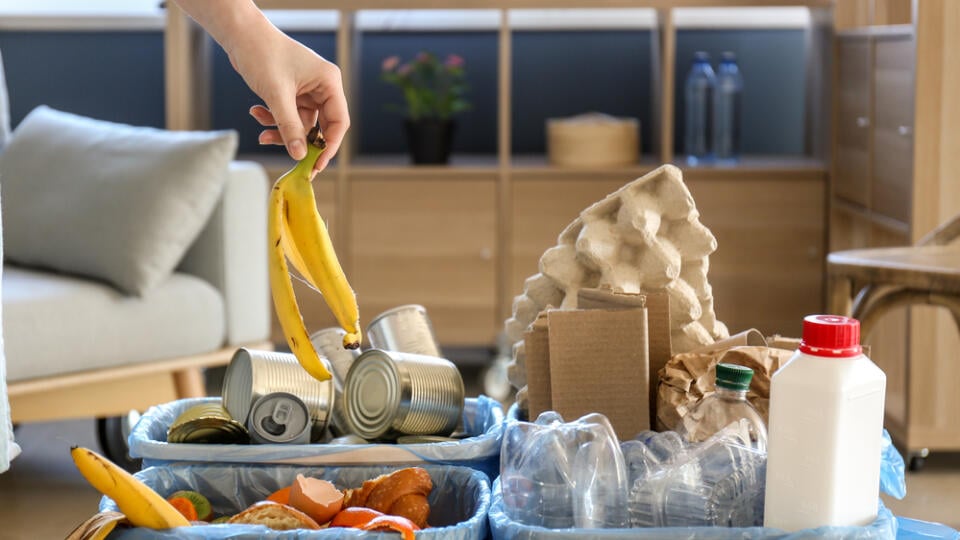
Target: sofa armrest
[231,254]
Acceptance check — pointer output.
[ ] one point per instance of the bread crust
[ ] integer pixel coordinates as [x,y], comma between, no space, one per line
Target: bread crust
[276,516]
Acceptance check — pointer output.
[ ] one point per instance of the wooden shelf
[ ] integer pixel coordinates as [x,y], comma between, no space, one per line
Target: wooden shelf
[353,5]
[399,165]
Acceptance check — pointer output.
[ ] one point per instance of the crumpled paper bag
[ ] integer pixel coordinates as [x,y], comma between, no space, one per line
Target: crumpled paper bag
[689,377]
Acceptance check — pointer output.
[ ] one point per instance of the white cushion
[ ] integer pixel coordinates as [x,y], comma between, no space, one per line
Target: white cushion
[109,201]
[57,324]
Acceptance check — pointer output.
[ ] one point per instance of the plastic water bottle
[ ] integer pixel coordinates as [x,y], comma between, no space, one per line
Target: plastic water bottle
[726,109]
[698,93]
[825,431]
[724,407]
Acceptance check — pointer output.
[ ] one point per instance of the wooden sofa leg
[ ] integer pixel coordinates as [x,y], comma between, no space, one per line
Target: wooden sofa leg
[189,383]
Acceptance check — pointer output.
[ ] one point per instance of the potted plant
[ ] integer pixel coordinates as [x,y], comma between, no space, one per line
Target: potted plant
[433,91]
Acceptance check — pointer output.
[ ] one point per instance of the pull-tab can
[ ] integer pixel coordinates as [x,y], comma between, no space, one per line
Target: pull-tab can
[279,418]
[389,394]
[404,329]
[253,374]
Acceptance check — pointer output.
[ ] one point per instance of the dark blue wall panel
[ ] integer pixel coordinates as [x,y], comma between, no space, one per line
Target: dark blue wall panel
[115,76]
[119,76]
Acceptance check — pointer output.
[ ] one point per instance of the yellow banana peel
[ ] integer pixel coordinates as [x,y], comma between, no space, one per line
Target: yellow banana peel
[297,233]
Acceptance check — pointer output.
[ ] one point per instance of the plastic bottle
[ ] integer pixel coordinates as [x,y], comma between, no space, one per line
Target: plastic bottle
[724,407]
[726,109]
[825,432]
[698,93]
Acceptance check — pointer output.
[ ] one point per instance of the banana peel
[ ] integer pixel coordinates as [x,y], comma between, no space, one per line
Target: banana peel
[297,234]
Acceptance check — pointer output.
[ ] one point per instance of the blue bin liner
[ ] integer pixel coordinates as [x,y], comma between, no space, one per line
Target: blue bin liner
[482,421]
[458,503]
[504,528]
[912,529]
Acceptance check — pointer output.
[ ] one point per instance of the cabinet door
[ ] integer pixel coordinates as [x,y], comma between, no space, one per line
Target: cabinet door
[428,242]
[541,210]
[316,314]
[852,157]
[767,272]
[891,193]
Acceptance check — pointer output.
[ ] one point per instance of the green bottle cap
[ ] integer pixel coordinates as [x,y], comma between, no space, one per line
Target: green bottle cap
[734,377]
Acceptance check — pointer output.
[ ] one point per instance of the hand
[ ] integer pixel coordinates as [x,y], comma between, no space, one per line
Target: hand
[297,85]
[299,88]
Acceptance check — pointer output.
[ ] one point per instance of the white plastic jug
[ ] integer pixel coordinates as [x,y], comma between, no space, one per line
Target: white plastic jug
[825,430]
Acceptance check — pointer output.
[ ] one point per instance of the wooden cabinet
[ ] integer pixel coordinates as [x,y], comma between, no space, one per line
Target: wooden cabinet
[852,161]
[892,165]
[767,272]
[429,242]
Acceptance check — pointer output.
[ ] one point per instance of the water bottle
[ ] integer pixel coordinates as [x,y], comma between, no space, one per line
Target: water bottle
[825,432]
[724,407]
[726,109]
[698,93]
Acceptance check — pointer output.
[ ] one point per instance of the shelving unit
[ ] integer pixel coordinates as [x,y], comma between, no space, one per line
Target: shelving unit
[461,238]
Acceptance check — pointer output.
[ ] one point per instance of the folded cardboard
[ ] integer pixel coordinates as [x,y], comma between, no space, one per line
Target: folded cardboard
[602,358]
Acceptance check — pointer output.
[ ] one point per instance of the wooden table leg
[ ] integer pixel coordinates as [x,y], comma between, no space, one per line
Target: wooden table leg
[839,295]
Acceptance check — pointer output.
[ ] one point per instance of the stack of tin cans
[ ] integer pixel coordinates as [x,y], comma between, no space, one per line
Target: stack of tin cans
[400,390]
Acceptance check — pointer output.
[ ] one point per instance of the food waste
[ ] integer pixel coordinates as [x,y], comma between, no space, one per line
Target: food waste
[297,234]
[395,501]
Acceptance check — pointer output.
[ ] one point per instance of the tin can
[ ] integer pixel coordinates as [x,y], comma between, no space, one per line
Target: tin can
[280,418]
[329,344]
[253,374]
[207,423]
[389,394]
[404,329]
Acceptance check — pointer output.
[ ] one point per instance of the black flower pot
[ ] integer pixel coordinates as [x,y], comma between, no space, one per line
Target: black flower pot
[429,140]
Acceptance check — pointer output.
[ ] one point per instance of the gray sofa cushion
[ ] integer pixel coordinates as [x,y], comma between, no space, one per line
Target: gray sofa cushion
[114,202]
[56,324]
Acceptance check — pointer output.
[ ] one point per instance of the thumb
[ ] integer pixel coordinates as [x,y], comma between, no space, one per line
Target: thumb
[289,125]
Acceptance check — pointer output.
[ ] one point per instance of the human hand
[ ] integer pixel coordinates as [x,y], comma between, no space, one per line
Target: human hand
[299,89]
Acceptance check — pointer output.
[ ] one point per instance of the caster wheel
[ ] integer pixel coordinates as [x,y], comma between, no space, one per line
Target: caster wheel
[112,435]
[916,463]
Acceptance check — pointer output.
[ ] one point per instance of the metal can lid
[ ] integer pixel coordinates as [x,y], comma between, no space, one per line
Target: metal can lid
[207,423]
[372,394]
[280,417]
[348,439]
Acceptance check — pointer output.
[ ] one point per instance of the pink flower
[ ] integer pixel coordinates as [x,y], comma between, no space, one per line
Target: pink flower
[454,61]
[390,63]
[424,57]
[405,70]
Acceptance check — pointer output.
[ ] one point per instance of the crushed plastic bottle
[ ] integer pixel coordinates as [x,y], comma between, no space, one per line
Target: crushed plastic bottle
[724,407]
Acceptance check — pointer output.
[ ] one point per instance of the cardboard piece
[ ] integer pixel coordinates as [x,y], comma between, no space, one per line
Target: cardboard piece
[659,348]
[537,351]
[747,338]
[599,363]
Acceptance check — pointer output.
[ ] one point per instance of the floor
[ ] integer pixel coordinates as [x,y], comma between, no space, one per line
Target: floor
[43,496]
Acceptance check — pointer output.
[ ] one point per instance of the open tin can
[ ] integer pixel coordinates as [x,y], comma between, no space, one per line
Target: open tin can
[404,329]
[389,394]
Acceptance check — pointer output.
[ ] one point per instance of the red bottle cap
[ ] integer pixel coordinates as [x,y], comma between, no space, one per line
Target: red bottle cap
[831,335]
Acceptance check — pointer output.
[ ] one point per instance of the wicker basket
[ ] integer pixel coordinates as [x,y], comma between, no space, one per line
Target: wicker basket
[593,140]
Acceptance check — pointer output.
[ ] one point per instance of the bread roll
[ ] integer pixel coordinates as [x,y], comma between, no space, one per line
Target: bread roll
[275,516]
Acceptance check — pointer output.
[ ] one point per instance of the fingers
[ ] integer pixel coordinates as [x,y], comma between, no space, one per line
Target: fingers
[263,116]
[335,121]
[287,117]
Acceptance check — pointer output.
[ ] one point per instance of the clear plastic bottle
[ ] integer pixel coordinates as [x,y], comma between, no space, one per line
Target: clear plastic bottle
[724,407]
[726,109]
[698,94]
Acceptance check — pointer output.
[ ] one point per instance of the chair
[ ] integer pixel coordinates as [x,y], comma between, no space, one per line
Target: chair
[867,283]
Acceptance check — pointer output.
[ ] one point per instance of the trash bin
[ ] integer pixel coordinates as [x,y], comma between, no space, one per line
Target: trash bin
[458,503]
[482,421]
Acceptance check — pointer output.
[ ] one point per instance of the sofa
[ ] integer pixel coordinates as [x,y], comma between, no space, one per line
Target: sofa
[85,336]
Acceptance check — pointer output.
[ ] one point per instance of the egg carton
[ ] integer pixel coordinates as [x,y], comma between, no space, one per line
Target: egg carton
[644,237]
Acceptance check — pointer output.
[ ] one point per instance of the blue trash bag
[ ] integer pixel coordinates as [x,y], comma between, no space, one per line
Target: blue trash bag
[912,529]
[482,421]
[504,528]
[458,503]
